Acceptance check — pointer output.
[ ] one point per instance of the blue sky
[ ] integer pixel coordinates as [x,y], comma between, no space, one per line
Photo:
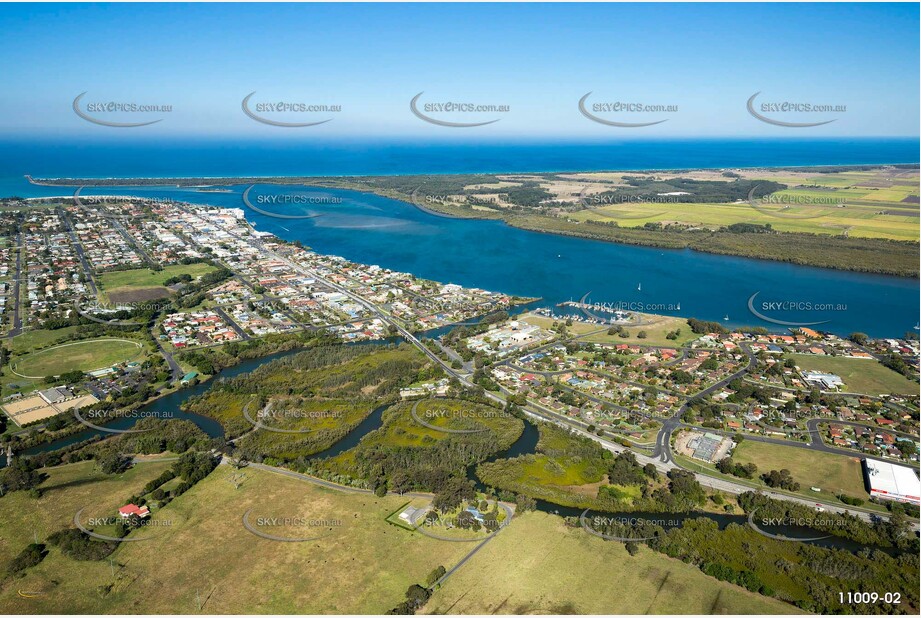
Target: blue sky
[539,59]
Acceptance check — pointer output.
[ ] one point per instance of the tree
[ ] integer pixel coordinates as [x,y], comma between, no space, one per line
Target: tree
[454,491]
[29,557]
[436,574]
[113,462]
[781,479]
[641,335]
[416,595]
[859,338]
[525,503]
[19,475]
[632,548]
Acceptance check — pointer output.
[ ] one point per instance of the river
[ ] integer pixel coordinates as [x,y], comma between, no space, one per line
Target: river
[492,255]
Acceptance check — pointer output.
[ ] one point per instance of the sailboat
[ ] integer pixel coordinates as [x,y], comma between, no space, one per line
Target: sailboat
[678,308]
[639,287]
[726,317]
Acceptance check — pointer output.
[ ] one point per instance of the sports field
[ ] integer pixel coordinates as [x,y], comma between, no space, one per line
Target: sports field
[538,565]
[33,339]
[83,355]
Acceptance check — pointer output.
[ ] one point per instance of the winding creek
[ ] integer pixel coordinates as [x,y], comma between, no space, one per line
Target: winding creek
[170,406]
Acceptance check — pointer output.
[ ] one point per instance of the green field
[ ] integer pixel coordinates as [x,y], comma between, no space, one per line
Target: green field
[33,339]
[83,355]
[452,415]
[360,565]
[538,565]
[832,474]
[144,279]
[860,375]
[656,328]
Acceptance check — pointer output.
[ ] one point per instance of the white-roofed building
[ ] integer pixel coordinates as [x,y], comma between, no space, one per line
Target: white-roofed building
[892,482]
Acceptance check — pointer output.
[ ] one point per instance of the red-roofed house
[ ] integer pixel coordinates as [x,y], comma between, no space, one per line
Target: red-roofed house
[132,509]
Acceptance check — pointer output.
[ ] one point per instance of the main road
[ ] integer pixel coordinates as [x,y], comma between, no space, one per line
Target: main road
[661,458]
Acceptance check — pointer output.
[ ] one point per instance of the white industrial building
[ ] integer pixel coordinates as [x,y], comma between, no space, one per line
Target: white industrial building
[892,482]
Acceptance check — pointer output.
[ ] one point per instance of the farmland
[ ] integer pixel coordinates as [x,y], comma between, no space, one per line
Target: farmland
[520,572]
[178,570]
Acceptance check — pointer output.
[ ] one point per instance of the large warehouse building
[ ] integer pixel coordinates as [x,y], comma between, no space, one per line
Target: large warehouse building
[891,482]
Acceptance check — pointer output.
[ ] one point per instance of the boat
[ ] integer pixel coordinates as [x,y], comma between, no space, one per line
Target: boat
[726,317]
[639,287]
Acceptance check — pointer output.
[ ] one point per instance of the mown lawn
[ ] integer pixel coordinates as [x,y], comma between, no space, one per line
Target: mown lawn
[832,474]
[34,339]
[656,328]
[83,355]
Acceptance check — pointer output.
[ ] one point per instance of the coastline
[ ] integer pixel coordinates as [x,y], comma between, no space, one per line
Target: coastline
[215,180]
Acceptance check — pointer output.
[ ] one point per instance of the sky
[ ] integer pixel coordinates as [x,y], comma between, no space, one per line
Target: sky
[701,62]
